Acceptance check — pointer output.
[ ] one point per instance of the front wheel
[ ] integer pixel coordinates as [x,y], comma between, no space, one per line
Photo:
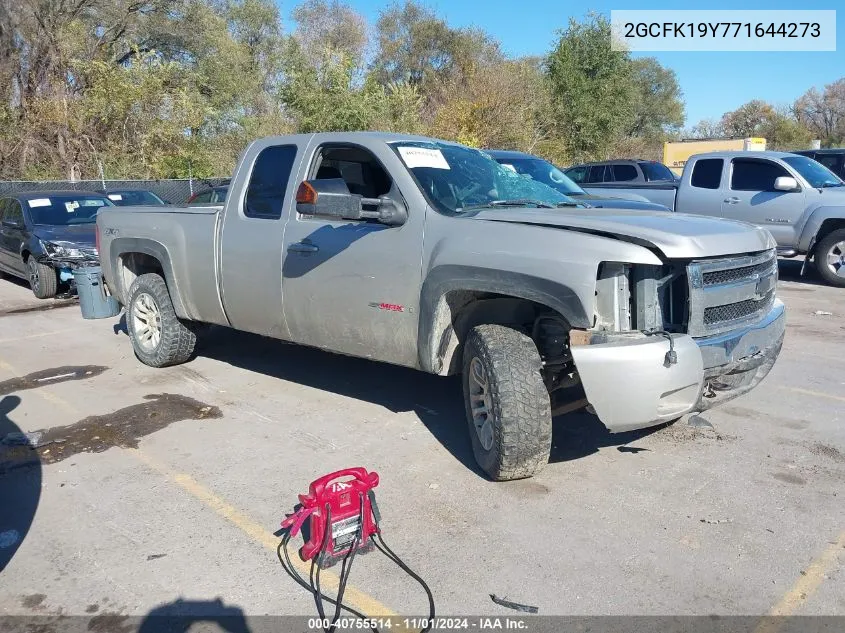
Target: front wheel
[507,404]
[830,258]
[158,336]
[42,279]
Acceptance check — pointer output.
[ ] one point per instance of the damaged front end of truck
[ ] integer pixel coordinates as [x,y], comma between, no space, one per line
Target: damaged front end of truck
[678,338]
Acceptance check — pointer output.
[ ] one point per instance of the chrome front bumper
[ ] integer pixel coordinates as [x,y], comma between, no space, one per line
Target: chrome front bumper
[630,384]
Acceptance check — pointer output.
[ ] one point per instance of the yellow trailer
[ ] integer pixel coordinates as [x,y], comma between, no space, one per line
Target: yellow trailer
[675,154]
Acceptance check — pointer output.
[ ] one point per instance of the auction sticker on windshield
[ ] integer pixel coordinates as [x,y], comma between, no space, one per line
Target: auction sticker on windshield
[422,157]
[39,202]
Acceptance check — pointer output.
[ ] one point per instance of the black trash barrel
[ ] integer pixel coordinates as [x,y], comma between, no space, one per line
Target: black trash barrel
[93,300]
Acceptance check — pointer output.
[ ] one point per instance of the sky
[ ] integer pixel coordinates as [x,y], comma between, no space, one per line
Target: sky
[712,82]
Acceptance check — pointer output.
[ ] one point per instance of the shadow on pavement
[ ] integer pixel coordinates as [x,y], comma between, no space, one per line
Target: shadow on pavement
[437,401]
[581,434]
[180,616]
[790,270]
[20,483]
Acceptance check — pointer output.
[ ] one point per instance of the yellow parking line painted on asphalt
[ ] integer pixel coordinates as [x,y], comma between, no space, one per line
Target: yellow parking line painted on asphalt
[817,394]
[258,533]
[808,582]
[353,596]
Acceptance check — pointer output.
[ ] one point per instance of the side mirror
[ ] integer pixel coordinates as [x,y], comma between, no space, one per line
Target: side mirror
[330,197]
[786,183]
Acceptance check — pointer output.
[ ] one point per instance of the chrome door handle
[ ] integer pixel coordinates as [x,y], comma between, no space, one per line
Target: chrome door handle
[731,200]
[302,247]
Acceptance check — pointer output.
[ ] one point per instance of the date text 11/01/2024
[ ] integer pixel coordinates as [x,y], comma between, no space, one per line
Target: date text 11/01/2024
[722,29]
[415,624]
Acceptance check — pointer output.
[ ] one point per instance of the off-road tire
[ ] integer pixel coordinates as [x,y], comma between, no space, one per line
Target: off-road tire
[521,411]
[821,251]
[177,341]
[42,279]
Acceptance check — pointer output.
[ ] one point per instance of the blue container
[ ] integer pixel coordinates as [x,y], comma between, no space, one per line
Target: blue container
[93,300]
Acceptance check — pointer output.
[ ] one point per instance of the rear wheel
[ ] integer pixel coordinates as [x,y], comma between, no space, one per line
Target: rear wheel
[507,404]
[158,336]
[42,279]
[830,258]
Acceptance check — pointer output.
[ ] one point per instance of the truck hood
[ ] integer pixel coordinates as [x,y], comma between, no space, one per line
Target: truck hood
[676,235]
[77,235]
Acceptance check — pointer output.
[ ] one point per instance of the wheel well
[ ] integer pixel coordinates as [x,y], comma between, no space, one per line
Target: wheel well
[828,226]
[458,311]
[133,265]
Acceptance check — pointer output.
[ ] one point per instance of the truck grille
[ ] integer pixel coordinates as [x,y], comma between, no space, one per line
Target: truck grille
[728,293]
[734,311]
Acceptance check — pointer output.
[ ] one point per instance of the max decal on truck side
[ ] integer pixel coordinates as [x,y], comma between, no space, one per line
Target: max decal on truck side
[390,307]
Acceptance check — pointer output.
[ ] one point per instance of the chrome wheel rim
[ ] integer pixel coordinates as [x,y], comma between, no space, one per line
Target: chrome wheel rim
[34,279]
[479,402]
[146,321]
[836,259]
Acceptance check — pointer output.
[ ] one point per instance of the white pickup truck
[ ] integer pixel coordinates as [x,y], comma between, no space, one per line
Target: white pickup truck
[799,201]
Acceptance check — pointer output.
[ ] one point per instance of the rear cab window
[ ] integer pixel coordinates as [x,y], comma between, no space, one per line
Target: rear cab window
[577,174]
[624,172]
[268,182]
[707,173]
[755,175]
[656,171]
[598,174]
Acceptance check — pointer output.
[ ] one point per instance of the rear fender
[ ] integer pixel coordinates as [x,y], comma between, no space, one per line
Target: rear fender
[125,245]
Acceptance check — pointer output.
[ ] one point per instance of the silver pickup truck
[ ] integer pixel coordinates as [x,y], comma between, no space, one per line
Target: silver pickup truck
[799,201]
[431,255]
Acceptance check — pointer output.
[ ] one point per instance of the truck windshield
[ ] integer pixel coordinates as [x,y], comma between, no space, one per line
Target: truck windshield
[456,179]
[544,172]
[64,210]
[813,172]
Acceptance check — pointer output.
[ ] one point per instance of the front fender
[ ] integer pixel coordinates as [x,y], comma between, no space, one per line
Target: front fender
[444,279]
[814,222]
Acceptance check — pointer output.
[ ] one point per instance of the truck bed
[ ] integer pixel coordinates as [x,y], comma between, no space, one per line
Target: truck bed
[185,234]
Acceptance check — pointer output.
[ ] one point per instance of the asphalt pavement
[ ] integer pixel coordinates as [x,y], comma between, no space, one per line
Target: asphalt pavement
[160,489]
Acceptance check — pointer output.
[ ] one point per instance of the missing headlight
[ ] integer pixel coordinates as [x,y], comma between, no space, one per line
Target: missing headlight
[613,297]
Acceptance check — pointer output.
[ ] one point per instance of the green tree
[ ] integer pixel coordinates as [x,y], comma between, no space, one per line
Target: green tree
[417,47]
[657,99]
[324,26]
[747,120]
[823,112]
[783,132]
[591,88]
[502,105]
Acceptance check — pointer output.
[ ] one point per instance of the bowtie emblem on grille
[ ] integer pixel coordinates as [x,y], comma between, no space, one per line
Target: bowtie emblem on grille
[764,286]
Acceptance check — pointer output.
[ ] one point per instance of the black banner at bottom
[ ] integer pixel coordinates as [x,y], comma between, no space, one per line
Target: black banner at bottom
[223,623]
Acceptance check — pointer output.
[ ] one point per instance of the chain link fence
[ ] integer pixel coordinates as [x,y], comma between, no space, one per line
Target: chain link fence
[174,191]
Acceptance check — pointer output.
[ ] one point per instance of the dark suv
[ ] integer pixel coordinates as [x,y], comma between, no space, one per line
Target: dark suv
[833,159]
[629,171]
